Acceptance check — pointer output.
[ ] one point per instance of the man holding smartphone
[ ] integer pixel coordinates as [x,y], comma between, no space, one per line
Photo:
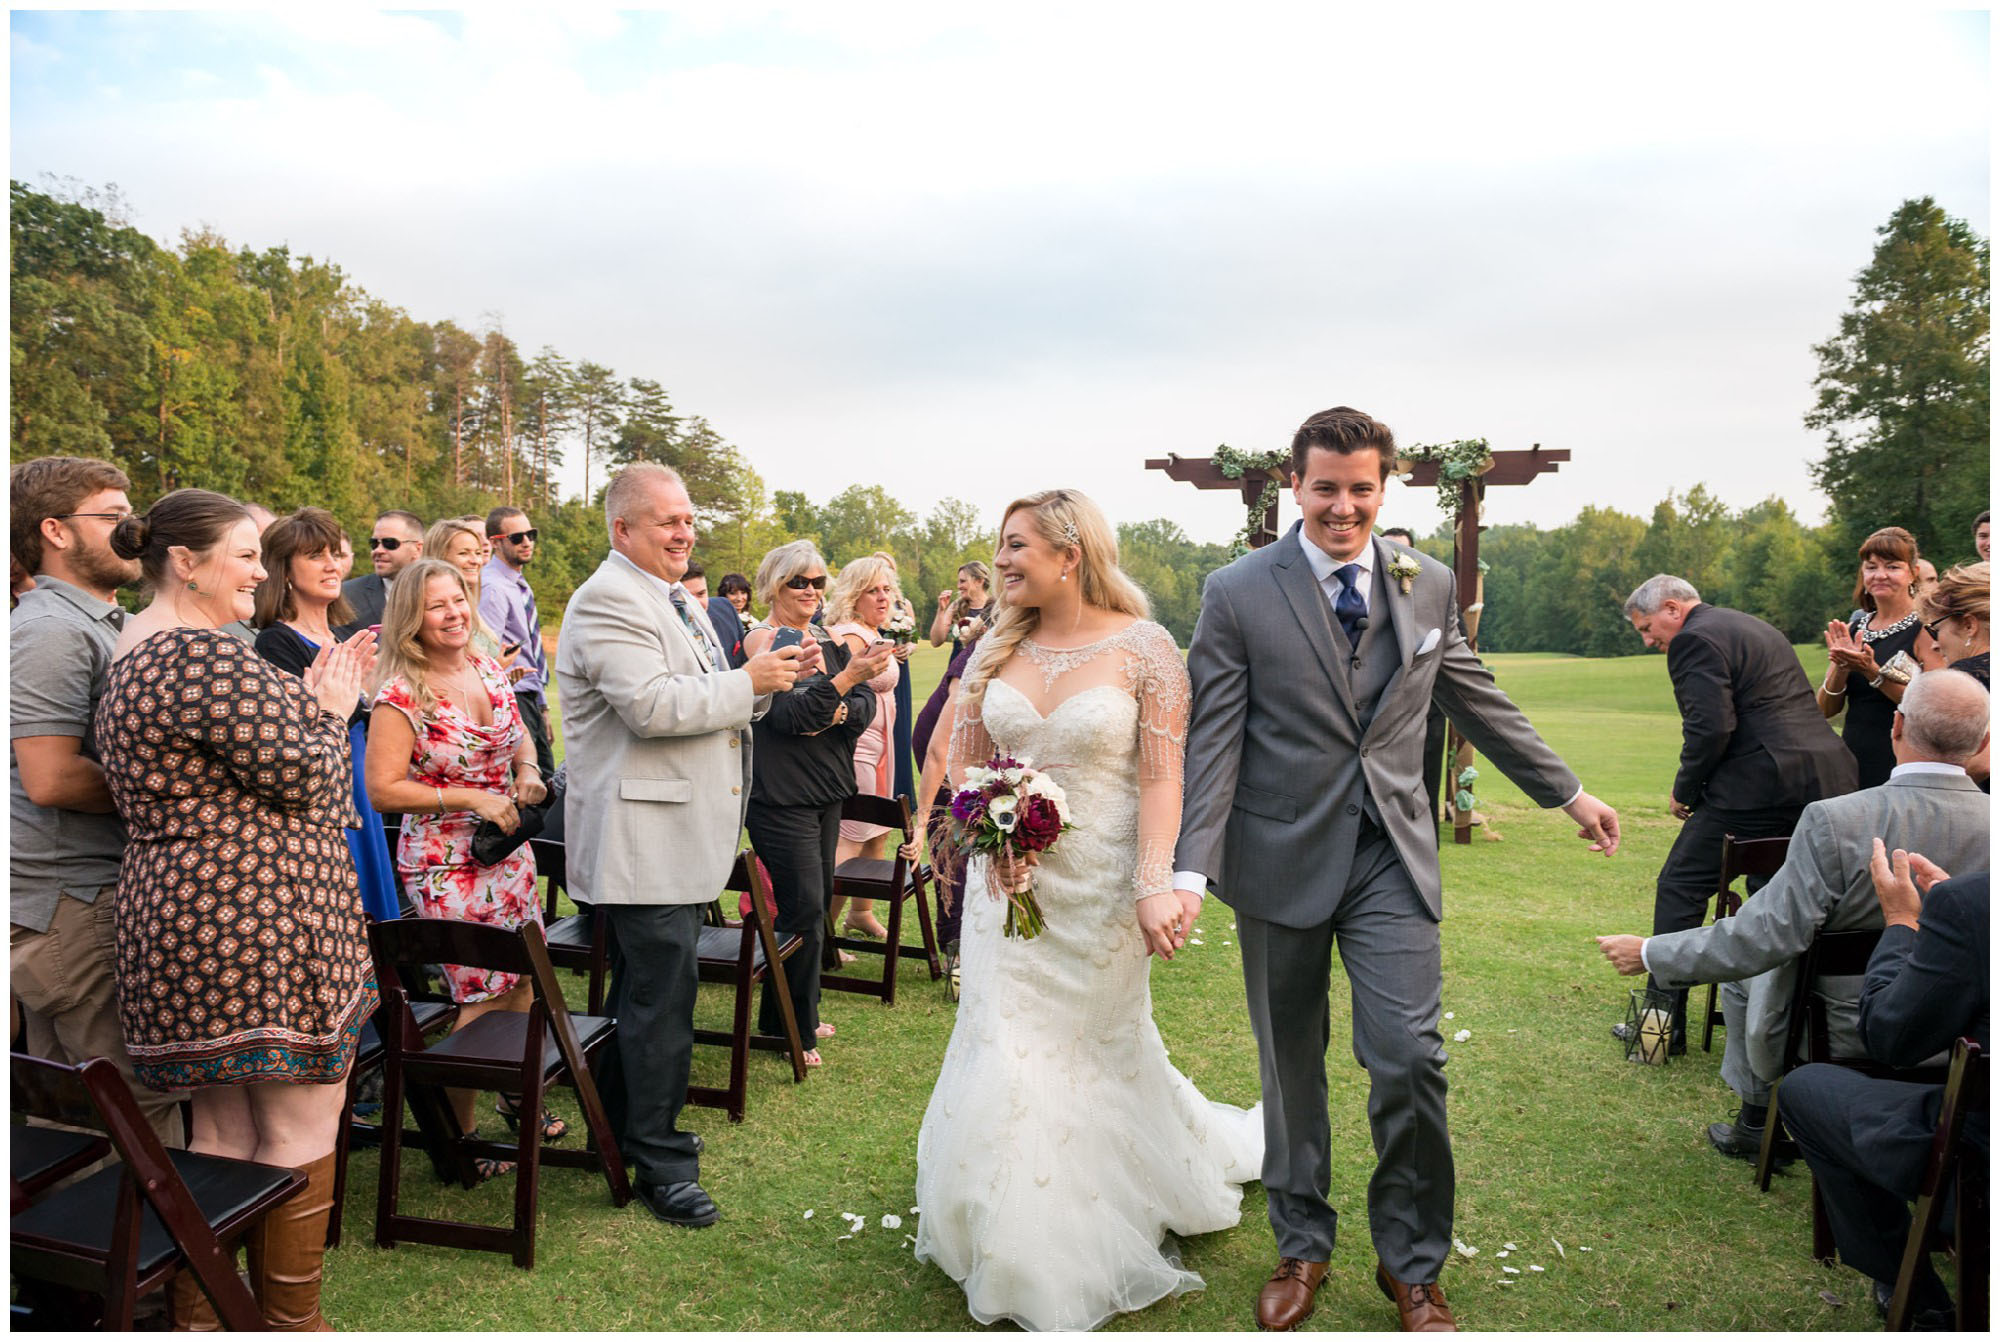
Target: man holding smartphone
[507,604]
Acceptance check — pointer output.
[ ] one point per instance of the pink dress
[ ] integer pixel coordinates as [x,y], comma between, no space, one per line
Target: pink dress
[874,765]
[434,855]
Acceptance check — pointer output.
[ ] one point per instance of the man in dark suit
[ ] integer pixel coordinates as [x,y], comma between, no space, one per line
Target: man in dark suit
[1313,665]
[396,543]
[1755,749]
[1866,1139]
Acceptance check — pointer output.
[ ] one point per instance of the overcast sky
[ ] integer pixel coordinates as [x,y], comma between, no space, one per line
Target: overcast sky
[974,256]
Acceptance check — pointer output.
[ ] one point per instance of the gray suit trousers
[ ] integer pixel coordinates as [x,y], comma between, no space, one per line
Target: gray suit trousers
[1389,946]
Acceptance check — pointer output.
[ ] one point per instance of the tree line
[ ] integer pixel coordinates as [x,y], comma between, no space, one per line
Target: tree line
[277,379]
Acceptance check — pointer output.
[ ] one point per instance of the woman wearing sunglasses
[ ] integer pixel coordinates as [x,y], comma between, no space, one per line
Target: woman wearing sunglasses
[803,770]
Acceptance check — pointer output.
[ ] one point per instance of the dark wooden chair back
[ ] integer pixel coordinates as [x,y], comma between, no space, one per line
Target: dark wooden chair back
[891,880]
[126,1229]
[744,954]
[521,1052]
[1949,1175]
[1740,858]
[579,942]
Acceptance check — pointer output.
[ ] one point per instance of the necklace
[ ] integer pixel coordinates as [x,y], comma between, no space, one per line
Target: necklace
[1873,635]
[1055,663]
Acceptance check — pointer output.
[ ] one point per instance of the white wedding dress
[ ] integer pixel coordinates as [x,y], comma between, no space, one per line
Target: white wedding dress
[1060,1145]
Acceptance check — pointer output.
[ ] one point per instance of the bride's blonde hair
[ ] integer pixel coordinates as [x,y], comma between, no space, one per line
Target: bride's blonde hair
[1067,520]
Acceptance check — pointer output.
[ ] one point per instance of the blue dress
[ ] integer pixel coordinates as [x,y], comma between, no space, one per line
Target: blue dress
[289,650]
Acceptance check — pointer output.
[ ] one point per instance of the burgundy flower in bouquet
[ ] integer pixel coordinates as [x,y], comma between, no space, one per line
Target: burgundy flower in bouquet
[1008,808]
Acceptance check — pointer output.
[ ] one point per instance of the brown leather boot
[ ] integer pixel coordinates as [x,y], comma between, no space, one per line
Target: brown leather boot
[1287,1298]
[287,1250]
[193,1311]
[1420,1306]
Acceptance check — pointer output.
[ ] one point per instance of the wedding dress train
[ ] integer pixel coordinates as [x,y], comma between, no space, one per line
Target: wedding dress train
[1061,1146]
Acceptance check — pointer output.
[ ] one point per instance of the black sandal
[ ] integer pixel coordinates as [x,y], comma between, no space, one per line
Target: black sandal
[486,1167]
[509,1108]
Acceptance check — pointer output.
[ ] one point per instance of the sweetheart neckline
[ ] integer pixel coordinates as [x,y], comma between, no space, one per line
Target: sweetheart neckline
[1044,717]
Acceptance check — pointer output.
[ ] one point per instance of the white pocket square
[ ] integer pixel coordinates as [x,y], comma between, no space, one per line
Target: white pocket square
[1430,641]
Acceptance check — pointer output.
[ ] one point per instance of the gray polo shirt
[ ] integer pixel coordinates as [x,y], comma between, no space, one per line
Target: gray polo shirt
[62,641]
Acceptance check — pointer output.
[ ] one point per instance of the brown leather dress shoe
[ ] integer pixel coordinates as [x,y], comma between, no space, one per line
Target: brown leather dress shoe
[1420,1307]
[1287,1298]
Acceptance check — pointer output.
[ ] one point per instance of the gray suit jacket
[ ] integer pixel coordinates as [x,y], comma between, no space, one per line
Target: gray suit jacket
[1825,884]
[1278,758]
[367,594]
[658,748]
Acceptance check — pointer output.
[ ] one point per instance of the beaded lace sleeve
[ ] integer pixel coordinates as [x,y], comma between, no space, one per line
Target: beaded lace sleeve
[1158,680]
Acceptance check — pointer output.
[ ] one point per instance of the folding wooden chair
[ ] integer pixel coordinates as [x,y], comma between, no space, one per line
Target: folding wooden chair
[744,954]
[520,1052]
[1740,858]
[890,880]
[1830,954]
[126,1229]
[1965,1091]
[579,942]
[433,1018]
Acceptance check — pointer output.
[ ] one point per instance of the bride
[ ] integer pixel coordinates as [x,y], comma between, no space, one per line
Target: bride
[1060,1145]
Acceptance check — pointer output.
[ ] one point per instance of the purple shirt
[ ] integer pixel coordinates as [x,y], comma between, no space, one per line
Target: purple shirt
[507,604]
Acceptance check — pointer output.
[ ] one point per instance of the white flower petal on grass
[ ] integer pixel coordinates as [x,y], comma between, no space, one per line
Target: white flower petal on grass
[1450,1014]
[1583,1248]
[1464,1248]
[1512,1245]
[1502,1254]
[914,1212]
[838,1238]
[1515,1270]
[1534,1267]
[1461,1036]
[809,1214]
[1506,1281]
[1195,941]
[892,1223]
[1559,1247]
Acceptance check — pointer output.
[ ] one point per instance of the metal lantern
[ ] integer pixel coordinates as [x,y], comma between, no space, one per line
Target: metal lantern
[1649,1026]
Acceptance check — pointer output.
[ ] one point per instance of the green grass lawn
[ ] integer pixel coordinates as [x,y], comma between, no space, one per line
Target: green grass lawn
[1558,1139]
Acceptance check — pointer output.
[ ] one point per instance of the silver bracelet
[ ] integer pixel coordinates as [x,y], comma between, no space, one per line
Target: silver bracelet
[1832,693]
[440,792]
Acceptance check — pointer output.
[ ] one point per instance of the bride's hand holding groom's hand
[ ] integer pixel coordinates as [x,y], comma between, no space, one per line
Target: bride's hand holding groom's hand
[1166,919]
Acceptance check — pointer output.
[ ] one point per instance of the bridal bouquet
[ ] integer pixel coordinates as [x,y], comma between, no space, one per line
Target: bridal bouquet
[1008,808]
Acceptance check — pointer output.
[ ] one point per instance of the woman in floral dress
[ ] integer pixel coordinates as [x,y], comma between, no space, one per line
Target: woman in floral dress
[446,747]
[243,967]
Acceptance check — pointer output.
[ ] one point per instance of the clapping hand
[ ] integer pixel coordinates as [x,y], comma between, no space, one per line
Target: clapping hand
[338,673]
[1898,877]
[1853,655]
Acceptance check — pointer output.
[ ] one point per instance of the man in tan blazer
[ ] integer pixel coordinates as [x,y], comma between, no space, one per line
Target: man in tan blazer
[657,735]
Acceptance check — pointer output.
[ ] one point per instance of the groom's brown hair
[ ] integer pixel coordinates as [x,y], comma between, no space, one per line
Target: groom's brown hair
[1342,429]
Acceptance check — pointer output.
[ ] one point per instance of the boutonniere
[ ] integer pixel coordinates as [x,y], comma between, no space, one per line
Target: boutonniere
[1404,568]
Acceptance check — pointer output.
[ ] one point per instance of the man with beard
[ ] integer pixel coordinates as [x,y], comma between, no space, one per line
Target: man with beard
[67,838]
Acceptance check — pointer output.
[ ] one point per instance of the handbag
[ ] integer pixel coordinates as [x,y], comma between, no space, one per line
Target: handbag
[492,845]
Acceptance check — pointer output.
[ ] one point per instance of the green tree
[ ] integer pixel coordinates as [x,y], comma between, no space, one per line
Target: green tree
[1903,392]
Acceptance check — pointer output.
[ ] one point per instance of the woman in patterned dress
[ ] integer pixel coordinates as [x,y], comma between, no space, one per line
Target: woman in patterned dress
[243,967]
[446,747]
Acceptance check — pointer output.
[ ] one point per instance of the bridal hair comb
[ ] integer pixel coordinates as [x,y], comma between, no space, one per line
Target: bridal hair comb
[1070,533]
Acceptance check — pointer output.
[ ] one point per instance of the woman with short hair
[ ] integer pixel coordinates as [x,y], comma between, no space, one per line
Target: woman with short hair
[1957,612]
[804,771]
[298,606]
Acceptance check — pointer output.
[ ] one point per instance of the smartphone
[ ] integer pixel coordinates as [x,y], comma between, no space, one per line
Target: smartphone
[788,637]
[508,650]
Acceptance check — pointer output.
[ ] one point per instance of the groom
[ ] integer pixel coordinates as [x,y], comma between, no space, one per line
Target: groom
[1314,663]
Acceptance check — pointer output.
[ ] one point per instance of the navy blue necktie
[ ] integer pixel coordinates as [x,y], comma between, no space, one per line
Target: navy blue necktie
[1352,610]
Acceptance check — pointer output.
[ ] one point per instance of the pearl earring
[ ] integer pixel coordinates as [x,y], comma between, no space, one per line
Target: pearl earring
[1065,576]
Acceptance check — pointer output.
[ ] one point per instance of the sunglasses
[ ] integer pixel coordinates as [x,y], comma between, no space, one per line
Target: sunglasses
[109,517]
[1935,625]
[387,543]
[800,583]
[516,537]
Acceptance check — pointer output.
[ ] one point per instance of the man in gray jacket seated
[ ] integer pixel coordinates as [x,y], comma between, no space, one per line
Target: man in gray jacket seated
[1929,805]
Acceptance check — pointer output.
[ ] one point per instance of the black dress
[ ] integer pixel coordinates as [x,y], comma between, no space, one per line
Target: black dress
[804,771]
[1979,667]
[1869,711]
